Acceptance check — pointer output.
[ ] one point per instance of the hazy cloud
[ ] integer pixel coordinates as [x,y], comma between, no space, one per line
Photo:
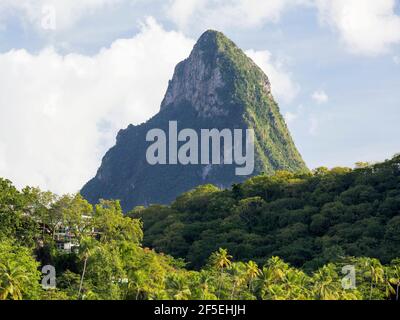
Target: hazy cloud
[320,97]
[366,27]
[59,114]
[226,13]
[290,117]
[67,12]
[284,88]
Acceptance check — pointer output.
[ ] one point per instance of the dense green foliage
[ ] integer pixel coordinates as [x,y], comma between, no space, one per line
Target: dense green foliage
[306,219]
[109,261]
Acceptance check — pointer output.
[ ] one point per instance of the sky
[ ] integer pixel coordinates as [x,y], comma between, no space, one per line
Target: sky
[73,73]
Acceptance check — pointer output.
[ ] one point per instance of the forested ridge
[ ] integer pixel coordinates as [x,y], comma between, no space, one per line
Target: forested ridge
[286,236]
[308,219]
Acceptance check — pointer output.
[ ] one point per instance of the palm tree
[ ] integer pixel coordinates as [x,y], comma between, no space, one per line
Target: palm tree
[204,278]
[278,268]
[178,287]
[237,277]
[12,278]
[137,282]
[252,272]
[221,260]
[264,283]
[325,283]
[297,285]
[271,279]
[393,280]
[375,271]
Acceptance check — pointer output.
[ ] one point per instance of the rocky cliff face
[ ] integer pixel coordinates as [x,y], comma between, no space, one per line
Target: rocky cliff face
[198,79]
[196,83]
[219,87]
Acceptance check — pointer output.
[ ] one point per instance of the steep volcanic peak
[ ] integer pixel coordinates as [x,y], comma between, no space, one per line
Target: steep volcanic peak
[210,71]
[216,88]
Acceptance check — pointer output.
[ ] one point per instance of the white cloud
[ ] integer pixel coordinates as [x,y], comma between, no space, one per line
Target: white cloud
[67,11]
[180,11]
[320,97]
[59,114]
[290,117]
[284,88]
[226,13]
[366,27]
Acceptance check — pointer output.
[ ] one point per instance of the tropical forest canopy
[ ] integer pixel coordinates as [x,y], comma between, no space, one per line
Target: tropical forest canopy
[211,243]
[308,219]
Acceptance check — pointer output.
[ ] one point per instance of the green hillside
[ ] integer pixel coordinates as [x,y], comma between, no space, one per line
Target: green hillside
[306,219]
[109,262]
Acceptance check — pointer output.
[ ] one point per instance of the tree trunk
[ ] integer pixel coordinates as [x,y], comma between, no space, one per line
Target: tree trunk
[83,275]
[220,283]
[137,294]
[233,290]
[370,294]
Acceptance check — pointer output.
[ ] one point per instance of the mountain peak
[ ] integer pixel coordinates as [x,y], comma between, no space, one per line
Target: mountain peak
[210,40]
[216,88]
[209,35]
[213,44]
[208,78]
